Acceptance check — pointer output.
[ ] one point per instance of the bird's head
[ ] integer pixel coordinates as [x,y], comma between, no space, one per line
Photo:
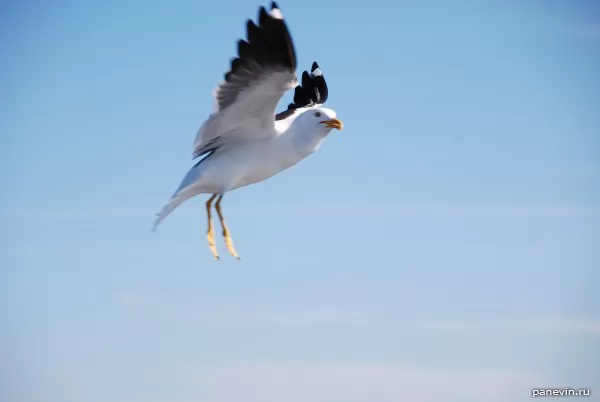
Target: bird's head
[320,119]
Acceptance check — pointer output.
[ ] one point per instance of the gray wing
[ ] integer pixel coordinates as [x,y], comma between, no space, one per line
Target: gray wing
[259,76]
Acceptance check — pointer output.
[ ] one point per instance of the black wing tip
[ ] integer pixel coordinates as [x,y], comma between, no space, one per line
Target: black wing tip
[268,42]
[268,46]
[312,89]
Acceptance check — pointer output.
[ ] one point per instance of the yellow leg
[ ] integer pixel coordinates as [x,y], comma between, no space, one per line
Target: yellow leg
[210,234]
[228,240]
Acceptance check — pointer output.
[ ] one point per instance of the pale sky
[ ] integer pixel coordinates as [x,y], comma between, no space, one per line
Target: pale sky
[443,247]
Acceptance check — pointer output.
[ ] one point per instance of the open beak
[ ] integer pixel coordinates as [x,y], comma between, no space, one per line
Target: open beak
[333,123]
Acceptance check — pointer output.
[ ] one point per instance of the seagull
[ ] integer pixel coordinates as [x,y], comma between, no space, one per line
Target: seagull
[244,141]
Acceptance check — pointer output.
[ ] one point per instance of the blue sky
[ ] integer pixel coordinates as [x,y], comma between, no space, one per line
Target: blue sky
[442,247]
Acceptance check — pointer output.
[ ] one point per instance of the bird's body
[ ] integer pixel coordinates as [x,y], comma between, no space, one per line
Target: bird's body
[254,161]
[244,142]
[240,164]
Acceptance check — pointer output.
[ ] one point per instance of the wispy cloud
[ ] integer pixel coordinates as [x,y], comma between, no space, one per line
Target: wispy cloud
[284,317]
[336,382]
[566,325]
[556,325]
[441,210]
[240,316]
[340,209]
[131,299]
[340,316]
[79,212]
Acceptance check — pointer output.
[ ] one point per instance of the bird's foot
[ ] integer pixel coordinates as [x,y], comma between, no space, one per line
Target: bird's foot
[210,236]
[229,244]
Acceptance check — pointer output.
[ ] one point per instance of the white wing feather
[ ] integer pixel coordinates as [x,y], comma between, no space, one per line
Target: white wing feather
[250,117]
[246,100]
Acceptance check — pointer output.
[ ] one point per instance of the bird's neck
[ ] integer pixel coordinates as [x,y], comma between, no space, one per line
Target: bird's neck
[304,141]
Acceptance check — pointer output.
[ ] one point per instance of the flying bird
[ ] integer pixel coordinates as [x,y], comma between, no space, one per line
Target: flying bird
[244,141]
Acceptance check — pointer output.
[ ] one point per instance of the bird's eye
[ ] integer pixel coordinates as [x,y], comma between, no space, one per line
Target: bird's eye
[318,114]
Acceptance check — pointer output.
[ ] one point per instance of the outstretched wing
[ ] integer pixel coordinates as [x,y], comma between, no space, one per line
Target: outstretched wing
[313,91]
[259,76]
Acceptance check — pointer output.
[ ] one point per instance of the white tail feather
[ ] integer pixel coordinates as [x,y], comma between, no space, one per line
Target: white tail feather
[187,189]
[167,209]
[176,201]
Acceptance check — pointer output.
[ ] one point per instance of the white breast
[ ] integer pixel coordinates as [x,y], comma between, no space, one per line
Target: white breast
[246,163]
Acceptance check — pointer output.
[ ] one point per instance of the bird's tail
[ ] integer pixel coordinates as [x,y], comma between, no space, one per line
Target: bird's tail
[170,207]
[187,189]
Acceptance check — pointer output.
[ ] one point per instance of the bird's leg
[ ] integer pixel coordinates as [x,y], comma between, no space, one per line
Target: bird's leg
[226,235]
[210,234]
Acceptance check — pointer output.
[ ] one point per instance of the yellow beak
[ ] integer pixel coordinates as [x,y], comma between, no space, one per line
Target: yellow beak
[333,123]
